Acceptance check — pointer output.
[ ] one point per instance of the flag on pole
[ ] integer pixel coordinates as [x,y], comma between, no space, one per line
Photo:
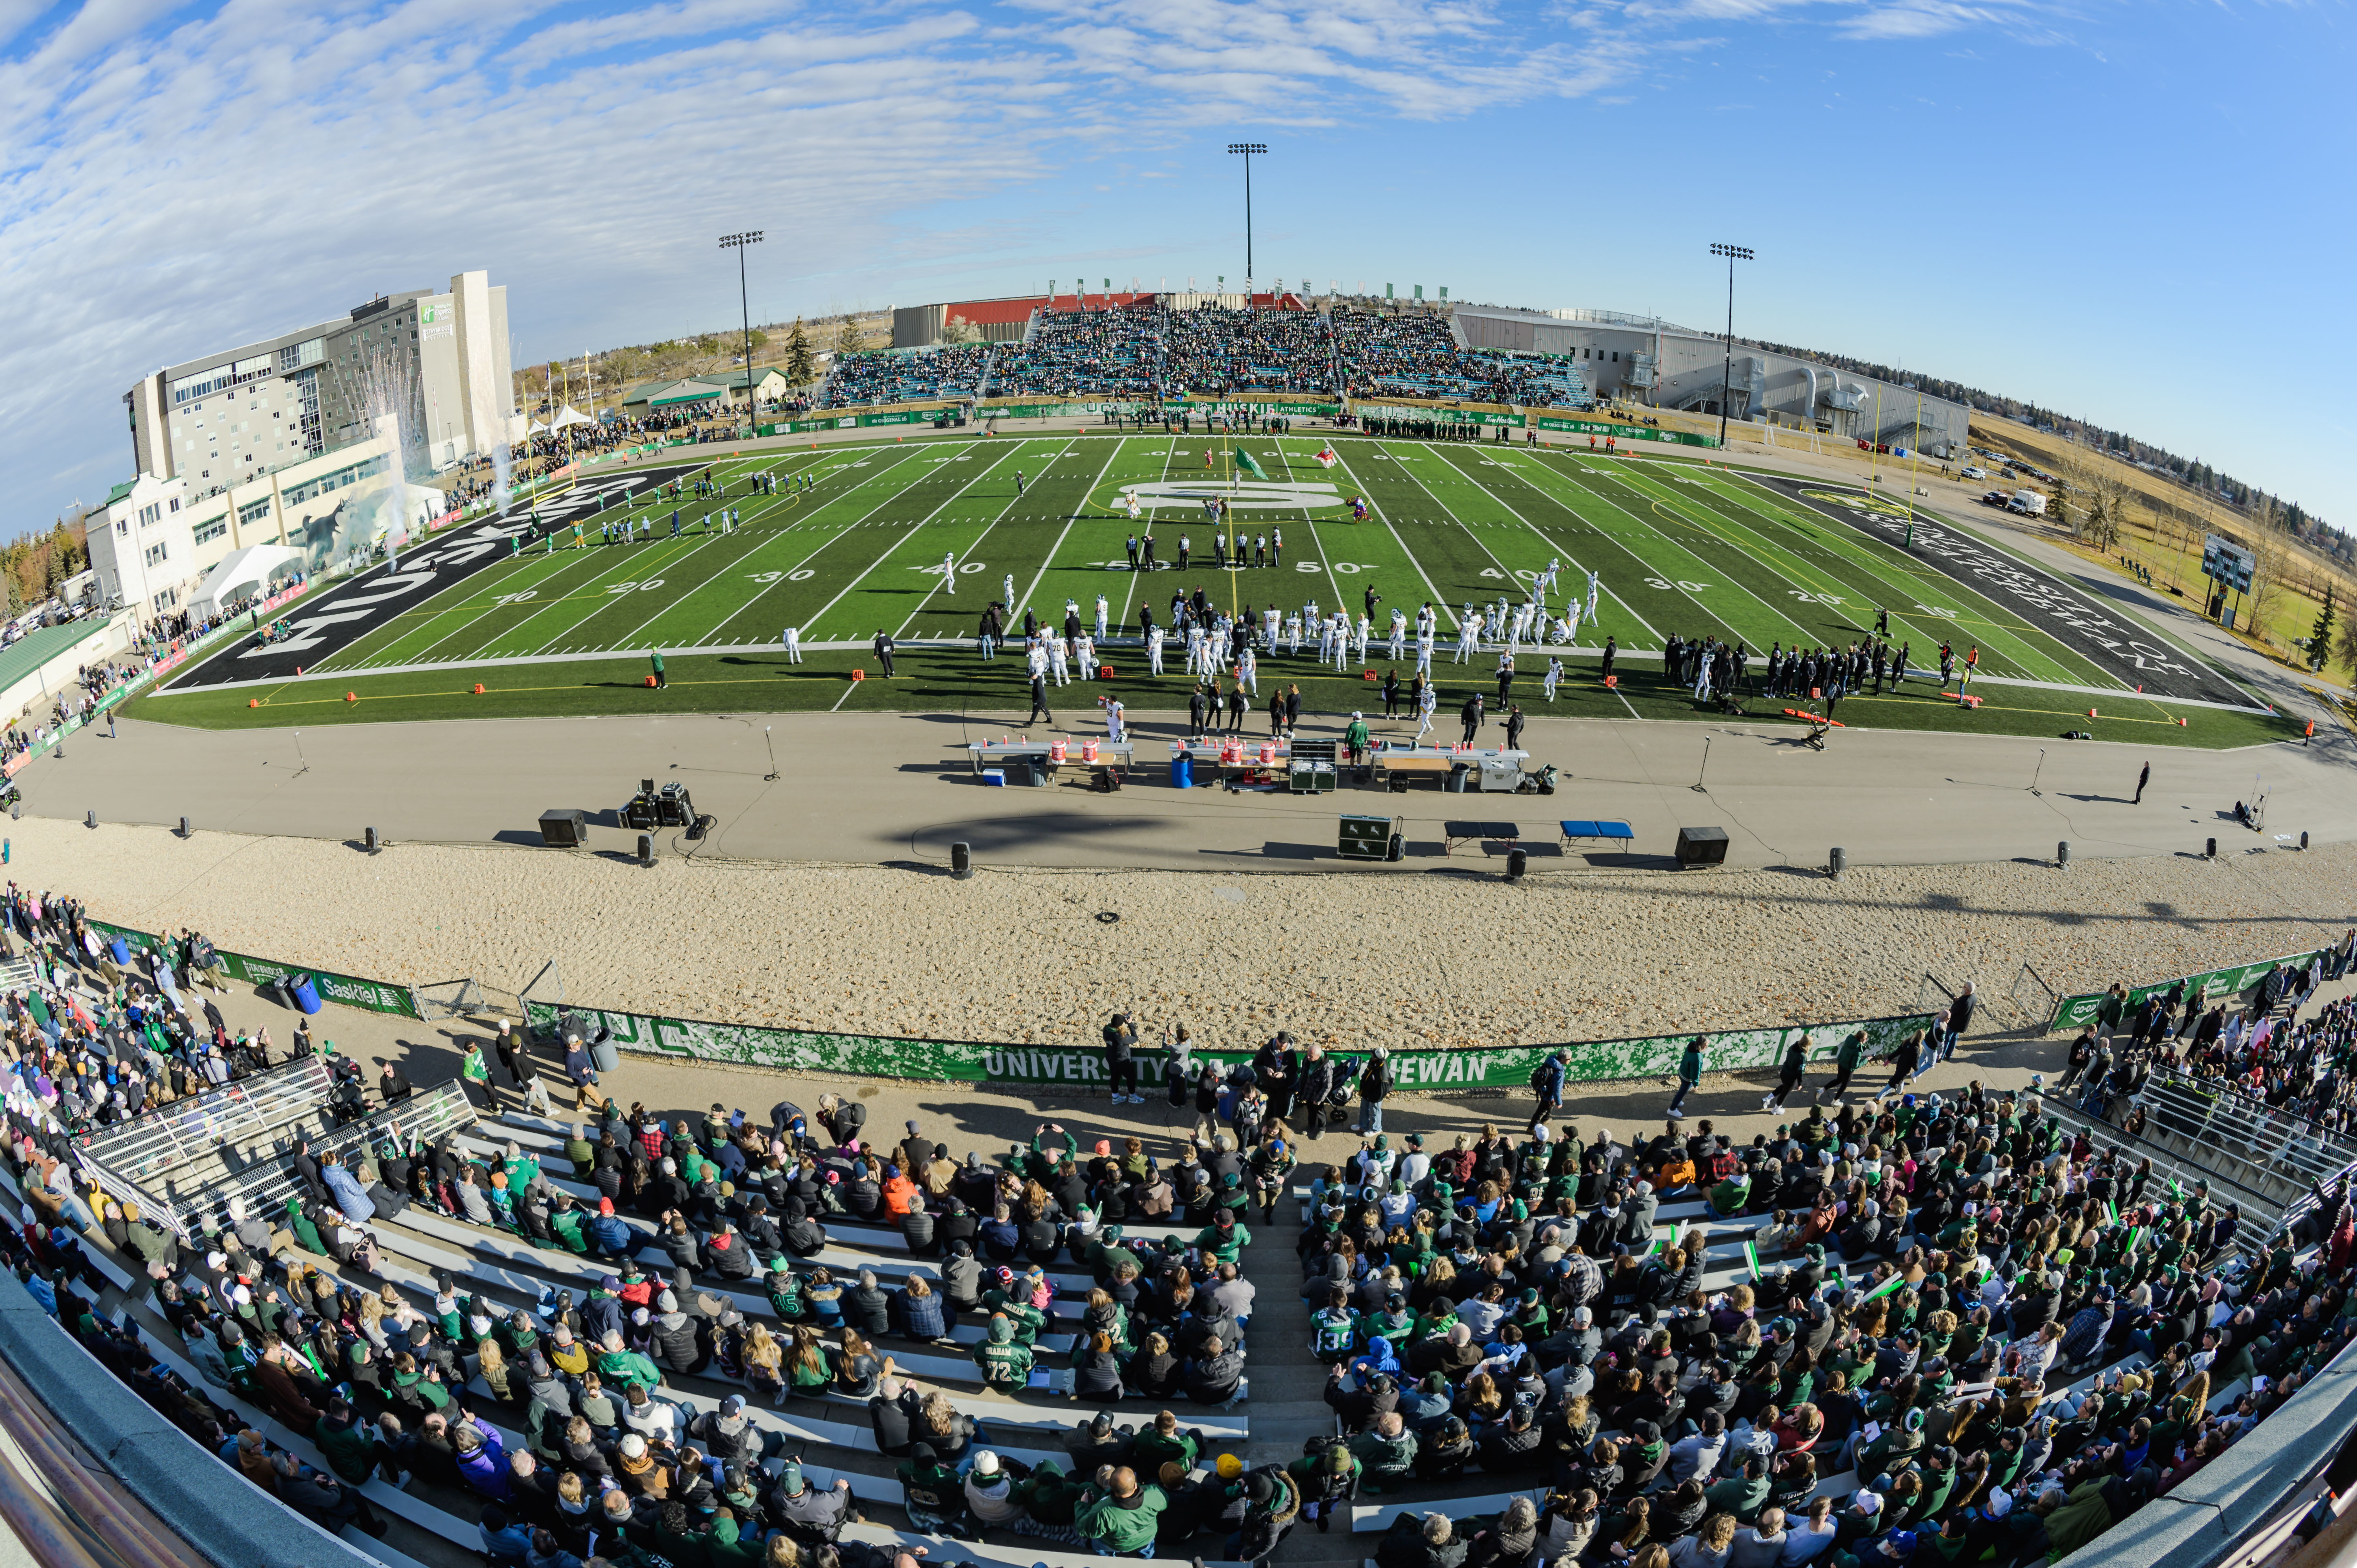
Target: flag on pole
[1326,458]
[1751,1256]
[1244,464]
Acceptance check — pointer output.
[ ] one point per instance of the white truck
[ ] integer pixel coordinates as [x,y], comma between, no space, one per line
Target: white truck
[2029,503]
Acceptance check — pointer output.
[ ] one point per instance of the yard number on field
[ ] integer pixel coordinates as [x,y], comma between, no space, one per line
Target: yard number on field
[1682,585]
[634,587]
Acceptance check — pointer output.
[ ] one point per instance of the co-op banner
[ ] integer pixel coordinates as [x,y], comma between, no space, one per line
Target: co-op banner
[2078,1012]
[973,1062]
[375,996]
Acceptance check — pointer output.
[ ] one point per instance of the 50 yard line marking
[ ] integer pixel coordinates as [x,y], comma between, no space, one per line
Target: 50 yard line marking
[1439,600]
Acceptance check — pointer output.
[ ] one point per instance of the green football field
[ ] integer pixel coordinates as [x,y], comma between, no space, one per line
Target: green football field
[858,541]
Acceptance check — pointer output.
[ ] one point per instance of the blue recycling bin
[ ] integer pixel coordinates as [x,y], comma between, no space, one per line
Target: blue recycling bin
[120,949]
[1182,771]
[306,994]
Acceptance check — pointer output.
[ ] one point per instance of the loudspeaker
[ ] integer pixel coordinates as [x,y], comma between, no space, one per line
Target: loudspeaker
[1518,861]
[186,832]
[2063,853]
[368,837]
[563,827]
[961,860]
[2210,851]
[1702,846]
[1836,861]
[646,849]
[90,818]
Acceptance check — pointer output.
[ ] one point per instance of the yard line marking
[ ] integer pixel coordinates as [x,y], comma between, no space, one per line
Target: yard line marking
[1439,599]
[1001,516]
[1058,545]
[1575,566]
[833,538]
[987,470]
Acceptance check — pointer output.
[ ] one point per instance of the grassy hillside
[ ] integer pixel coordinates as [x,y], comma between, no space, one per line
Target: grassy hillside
[2162,525]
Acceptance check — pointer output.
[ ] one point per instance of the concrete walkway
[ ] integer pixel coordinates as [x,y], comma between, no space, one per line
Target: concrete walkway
[862,787]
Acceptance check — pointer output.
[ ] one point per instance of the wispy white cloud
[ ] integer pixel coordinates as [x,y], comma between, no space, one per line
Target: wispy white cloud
[175,178]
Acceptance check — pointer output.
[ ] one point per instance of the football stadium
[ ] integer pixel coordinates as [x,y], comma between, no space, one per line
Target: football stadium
[1228,927]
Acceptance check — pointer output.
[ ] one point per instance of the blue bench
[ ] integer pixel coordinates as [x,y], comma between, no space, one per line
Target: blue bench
[1609,831]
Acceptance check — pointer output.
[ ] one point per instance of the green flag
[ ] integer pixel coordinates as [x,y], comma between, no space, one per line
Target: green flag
[1245,465]
[1751,1256]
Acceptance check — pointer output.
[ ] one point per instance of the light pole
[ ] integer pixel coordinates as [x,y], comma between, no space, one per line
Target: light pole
[737,242]
[1248,150]
[1733,254]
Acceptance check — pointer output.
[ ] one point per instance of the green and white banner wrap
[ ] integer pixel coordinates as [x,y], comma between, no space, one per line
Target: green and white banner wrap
[973,1062]
[2200,990]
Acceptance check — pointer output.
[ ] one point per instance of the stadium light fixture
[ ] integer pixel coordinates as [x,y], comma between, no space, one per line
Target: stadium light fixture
[738,242]
[1733,254]
[1248,151]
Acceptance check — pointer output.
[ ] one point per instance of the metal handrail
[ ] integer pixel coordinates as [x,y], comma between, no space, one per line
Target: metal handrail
[2245,1124]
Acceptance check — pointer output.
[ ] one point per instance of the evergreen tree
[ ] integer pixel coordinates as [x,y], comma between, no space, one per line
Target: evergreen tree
[801,365]
[848,338]
[2319,636]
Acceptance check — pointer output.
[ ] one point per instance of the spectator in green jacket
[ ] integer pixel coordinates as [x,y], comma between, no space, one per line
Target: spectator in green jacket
[620,1366]
[1006,1363]
[1386,1456]
[1117,1516]
[1164,1443]
[1689,1074]
[1743,1493]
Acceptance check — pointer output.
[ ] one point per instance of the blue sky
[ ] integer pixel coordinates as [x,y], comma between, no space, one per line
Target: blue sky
[2136,213]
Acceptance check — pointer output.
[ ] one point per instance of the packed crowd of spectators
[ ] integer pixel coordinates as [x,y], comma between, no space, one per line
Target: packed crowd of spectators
[1971,1335]
[1077,353]
[1219,352]
[567,1423]
[2263,1055]
[1416,356]
[916,376]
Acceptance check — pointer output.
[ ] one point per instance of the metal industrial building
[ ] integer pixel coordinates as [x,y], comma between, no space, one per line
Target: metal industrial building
[1645,359]
[1634,358]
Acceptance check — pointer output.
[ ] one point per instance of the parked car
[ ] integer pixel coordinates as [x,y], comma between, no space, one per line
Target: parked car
[1975,472]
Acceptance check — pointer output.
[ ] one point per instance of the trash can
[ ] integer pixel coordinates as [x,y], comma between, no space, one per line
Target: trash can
[305,993]
[120,949]
[1455,785]
[603,1054]
[1182,771]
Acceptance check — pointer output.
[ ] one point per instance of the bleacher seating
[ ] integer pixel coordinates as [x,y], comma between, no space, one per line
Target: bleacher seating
[911,375]
[419,1248]
[2107,1344]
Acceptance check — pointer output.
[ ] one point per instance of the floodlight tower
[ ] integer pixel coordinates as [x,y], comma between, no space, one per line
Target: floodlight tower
[1733,254]
[737,242]
[1248,151]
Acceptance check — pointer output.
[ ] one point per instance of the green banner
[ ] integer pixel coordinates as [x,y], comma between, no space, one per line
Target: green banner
[1624,432]
[2078,1012]
[376,996]
[1436,414]
[974,1061]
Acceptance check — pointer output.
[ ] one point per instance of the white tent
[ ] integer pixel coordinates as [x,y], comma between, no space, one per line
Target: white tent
[569,415]
[245,574]
[535,428]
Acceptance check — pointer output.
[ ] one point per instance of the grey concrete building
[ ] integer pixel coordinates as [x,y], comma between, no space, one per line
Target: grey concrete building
[231,417]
